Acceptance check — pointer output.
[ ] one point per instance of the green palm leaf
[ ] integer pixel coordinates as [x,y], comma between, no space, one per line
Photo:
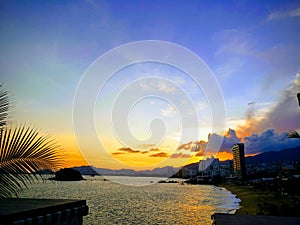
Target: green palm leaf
[293,134]
[4,106]
[23,153]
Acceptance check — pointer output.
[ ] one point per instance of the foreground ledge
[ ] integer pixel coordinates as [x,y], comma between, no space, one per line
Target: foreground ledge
[21,211]
[234,219]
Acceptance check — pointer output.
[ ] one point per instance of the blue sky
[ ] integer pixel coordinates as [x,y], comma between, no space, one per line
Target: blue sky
[252,47]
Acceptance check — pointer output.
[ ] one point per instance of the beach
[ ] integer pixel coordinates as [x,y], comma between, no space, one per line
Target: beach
[261,202]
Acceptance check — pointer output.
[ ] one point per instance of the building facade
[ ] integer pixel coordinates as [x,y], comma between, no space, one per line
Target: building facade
[239,166]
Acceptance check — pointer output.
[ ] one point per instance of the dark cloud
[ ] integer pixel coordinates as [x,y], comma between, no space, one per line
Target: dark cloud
[284,116]
[199,146]
[269,141]
[229,140]
[255,143]
[160,154]
[180,155]
[129,150]
[186,146]
[118,153]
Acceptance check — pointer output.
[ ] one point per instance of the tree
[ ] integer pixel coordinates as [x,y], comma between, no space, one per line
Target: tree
[23,153]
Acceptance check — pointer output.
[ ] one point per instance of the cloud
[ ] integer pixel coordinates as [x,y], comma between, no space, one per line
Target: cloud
[118,153]
[230,67]
[229,140]
[199,146]
[160,84]
[186,146]
[238,51]
[160,154]
[282,117]
[129,150]
[284,14]
[169,111]
[154,150]
[232,42]
[180,155]
[200,153]
[274,57]
[196,146]
[124,150]
[269,140]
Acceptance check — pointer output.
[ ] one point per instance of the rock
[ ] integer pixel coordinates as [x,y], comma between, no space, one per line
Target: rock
[68,174]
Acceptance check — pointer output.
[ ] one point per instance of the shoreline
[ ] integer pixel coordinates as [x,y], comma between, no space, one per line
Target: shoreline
[244,206]
[260,202]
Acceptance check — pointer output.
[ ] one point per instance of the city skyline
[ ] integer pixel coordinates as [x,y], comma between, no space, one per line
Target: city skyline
[251,48]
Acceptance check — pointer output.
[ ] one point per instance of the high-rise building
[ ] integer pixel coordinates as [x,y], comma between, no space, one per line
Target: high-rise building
[239,167]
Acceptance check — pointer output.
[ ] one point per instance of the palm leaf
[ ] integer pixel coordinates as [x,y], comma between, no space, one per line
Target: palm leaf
[293,134]
[4,106]
[23,153]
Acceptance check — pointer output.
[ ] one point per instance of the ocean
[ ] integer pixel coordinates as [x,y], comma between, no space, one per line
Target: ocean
[136,203]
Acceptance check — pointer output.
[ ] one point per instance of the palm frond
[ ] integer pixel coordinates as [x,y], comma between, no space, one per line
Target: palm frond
[4,106]
[23,154]
[293,134]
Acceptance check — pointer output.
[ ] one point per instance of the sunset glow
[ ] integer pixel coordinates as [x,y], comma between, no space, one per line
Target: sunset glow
[150,114]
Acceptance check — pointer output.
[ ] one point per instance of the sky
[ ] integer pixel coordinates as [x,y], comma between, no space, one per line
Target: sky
[152,114]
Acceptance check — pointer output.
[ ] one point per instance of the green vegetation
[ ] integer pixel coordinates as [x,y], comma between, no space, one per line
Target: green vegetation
[23,153]
[258,202]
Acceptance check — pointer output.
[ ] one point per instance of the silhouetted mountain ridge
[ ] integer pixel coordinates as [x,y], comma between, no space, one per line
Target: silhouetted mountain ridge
[290,154]
[159,172]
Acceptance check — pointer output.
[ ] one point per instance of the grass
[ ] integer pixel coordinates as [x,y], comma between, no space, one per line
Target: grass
[254,202]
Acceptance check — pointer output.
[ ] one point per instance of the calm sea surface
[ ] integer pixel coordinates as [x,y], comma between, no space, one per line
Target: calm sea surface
[159,203]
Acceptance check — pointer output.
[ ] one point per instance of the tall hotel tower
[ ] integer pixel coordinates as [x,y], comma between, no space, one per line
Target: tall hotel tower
[239,167]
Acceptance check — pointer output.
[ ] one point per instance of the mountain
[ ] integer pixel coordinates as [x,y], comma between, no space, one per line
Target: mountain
[159,172]
[290,154]
[86,170]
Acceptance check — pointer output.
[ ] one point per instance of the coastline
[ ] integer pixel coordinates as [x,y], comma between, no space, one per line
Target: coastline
[248,199]
[260,202]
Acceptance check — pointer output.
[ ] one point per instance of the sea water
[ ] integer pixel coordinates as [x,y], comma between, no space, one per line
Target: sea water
[137,203]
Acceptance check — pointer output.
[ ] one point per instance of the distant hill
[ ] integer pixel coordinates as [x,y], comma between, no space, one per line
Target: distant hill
[290,154]
[159,172]
[86,170]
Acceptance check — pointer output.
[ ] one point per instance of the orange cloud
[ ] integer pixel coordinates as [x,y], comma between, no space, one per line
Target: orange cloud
[154,150]
[129,150]
[185,146]
[282,117]
[160,154]
[118,153]
[180,155]
[200,153]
